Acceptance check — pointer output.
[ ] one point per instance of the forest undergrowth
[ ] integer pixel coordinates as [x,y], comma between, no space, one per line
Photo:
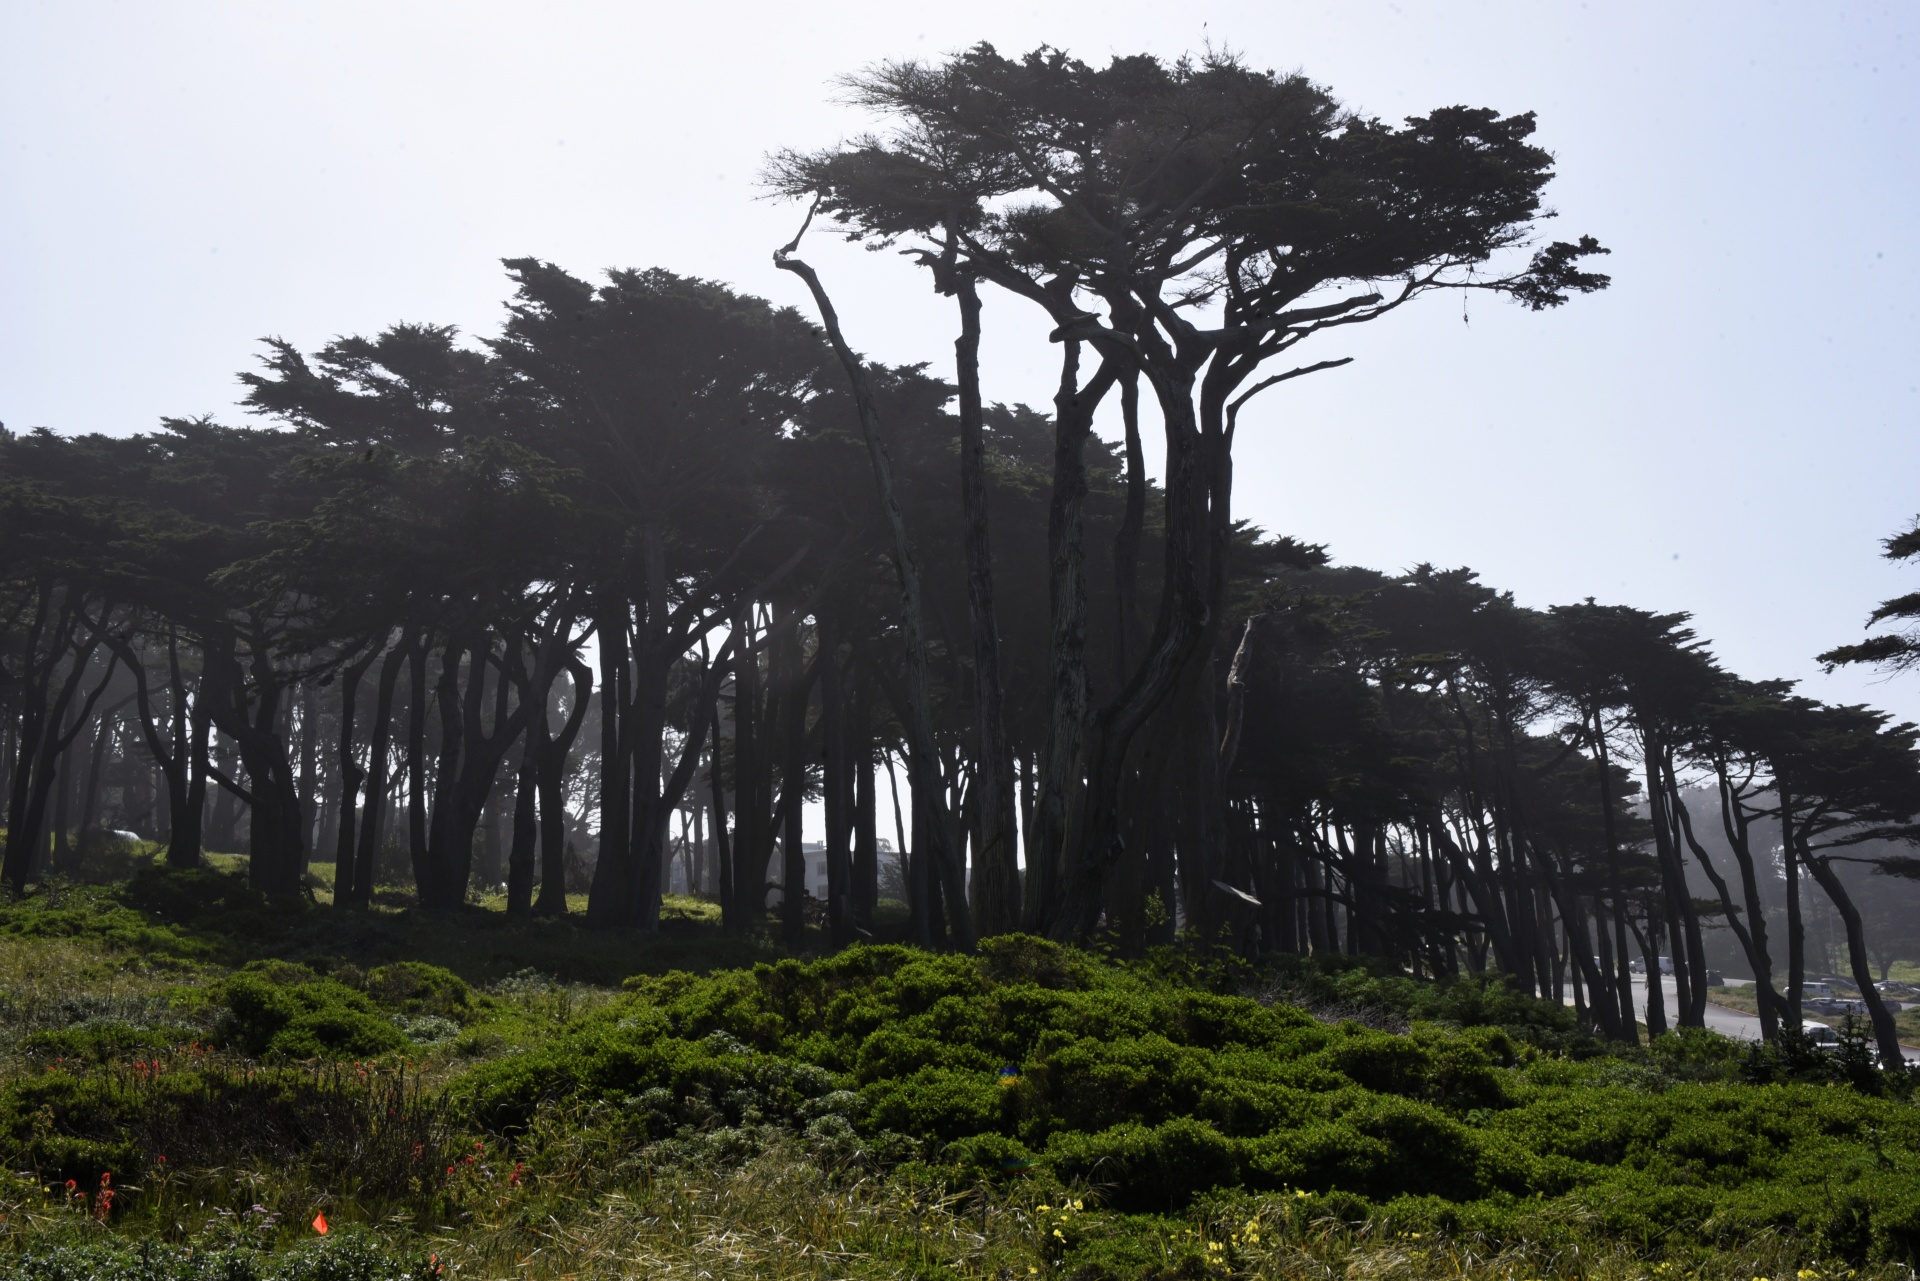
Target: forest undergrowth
[195,1079]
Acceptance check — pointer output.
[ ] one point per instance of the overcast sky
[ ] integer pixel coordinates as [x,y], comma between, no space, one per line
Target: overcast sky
[1729,430]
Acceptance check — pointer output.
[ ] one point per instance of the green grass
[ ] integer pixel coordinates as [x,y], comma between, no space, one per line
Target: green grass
[458,1094]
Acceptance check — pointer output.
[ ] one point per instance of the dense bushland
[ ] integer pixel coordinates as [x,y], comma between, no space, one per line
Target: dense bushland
[905,1113]
[1155,1091]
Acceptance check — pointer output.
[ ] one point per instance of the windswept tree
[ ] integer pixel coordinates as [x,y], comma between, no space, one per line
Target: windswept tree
[1897,651]
[367,632]
[667,395]
[1846,778]
[1192,222]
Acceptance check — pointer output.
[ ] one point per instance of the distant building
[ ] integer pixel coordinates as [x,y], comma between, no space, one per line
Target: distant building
[815,853]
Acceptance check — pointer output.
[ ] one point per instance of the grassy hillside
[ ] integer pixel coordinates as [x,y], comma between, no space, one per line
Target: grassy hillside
[191,1077]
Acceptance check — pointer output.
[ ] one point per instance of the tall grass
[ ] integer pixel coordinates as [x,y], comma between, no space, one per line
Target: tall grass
[786,1217]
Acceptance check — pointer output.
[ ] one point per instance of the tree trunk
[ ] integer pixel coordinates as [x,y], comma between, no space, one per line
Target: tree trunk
[996,873]
[1649,941]
[787,671]
[1062,766]
[866,836]
[526,826]
[36,681]
[1752,941]
[1796,928]
[181,762]
[836,785]
[1689,959]
[417,698]
[309,766]
[616,773]
[925,752]
[245,705]
[749,892]
[551,778]
[1886,1036]
[655,654]
[1623,982]
[1126,540]
[38,769]
[366,847]
[1737,825]
[1177,644]
[351,776]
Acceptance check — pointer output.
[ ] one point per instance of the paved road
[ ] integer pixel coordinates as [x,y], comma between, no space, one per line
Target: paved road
[1733,1023]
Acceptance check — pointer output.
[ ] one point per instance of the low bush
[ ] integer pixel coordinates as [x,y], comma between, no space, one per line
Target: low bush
[276,1010]
[282,1011]
[1128,1081]
[887,1112]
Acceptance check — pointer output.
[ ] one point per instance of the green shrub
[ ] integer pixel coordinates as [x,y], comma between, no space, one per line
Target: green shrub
[203,900]
[1029,1059]
[1141,1247]
[275,1010]
[415,989]
[96,916]
[106,1041]
[1140,1167]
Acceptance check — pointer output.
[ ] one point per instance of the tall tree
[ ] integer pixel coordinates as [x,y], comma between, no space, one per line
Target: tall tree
[1204,205]
[665,393]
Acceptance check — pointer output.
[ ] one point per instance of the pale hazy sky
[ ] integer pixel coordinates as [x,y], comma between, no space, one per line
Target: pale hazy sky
[1729,430]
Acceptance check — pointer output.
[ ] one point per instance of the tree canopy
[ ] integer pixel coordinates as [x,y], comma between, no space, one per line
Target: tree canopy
[611,600]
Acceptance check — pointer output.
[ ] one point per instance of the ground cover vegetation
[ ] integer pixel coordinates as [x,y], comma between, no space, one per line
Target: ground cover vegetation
[356,758]
[172,1108]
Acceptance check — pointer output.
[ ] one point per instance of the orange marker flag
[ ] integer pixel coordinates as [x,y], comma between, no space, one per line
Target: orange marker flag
[320,1224]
